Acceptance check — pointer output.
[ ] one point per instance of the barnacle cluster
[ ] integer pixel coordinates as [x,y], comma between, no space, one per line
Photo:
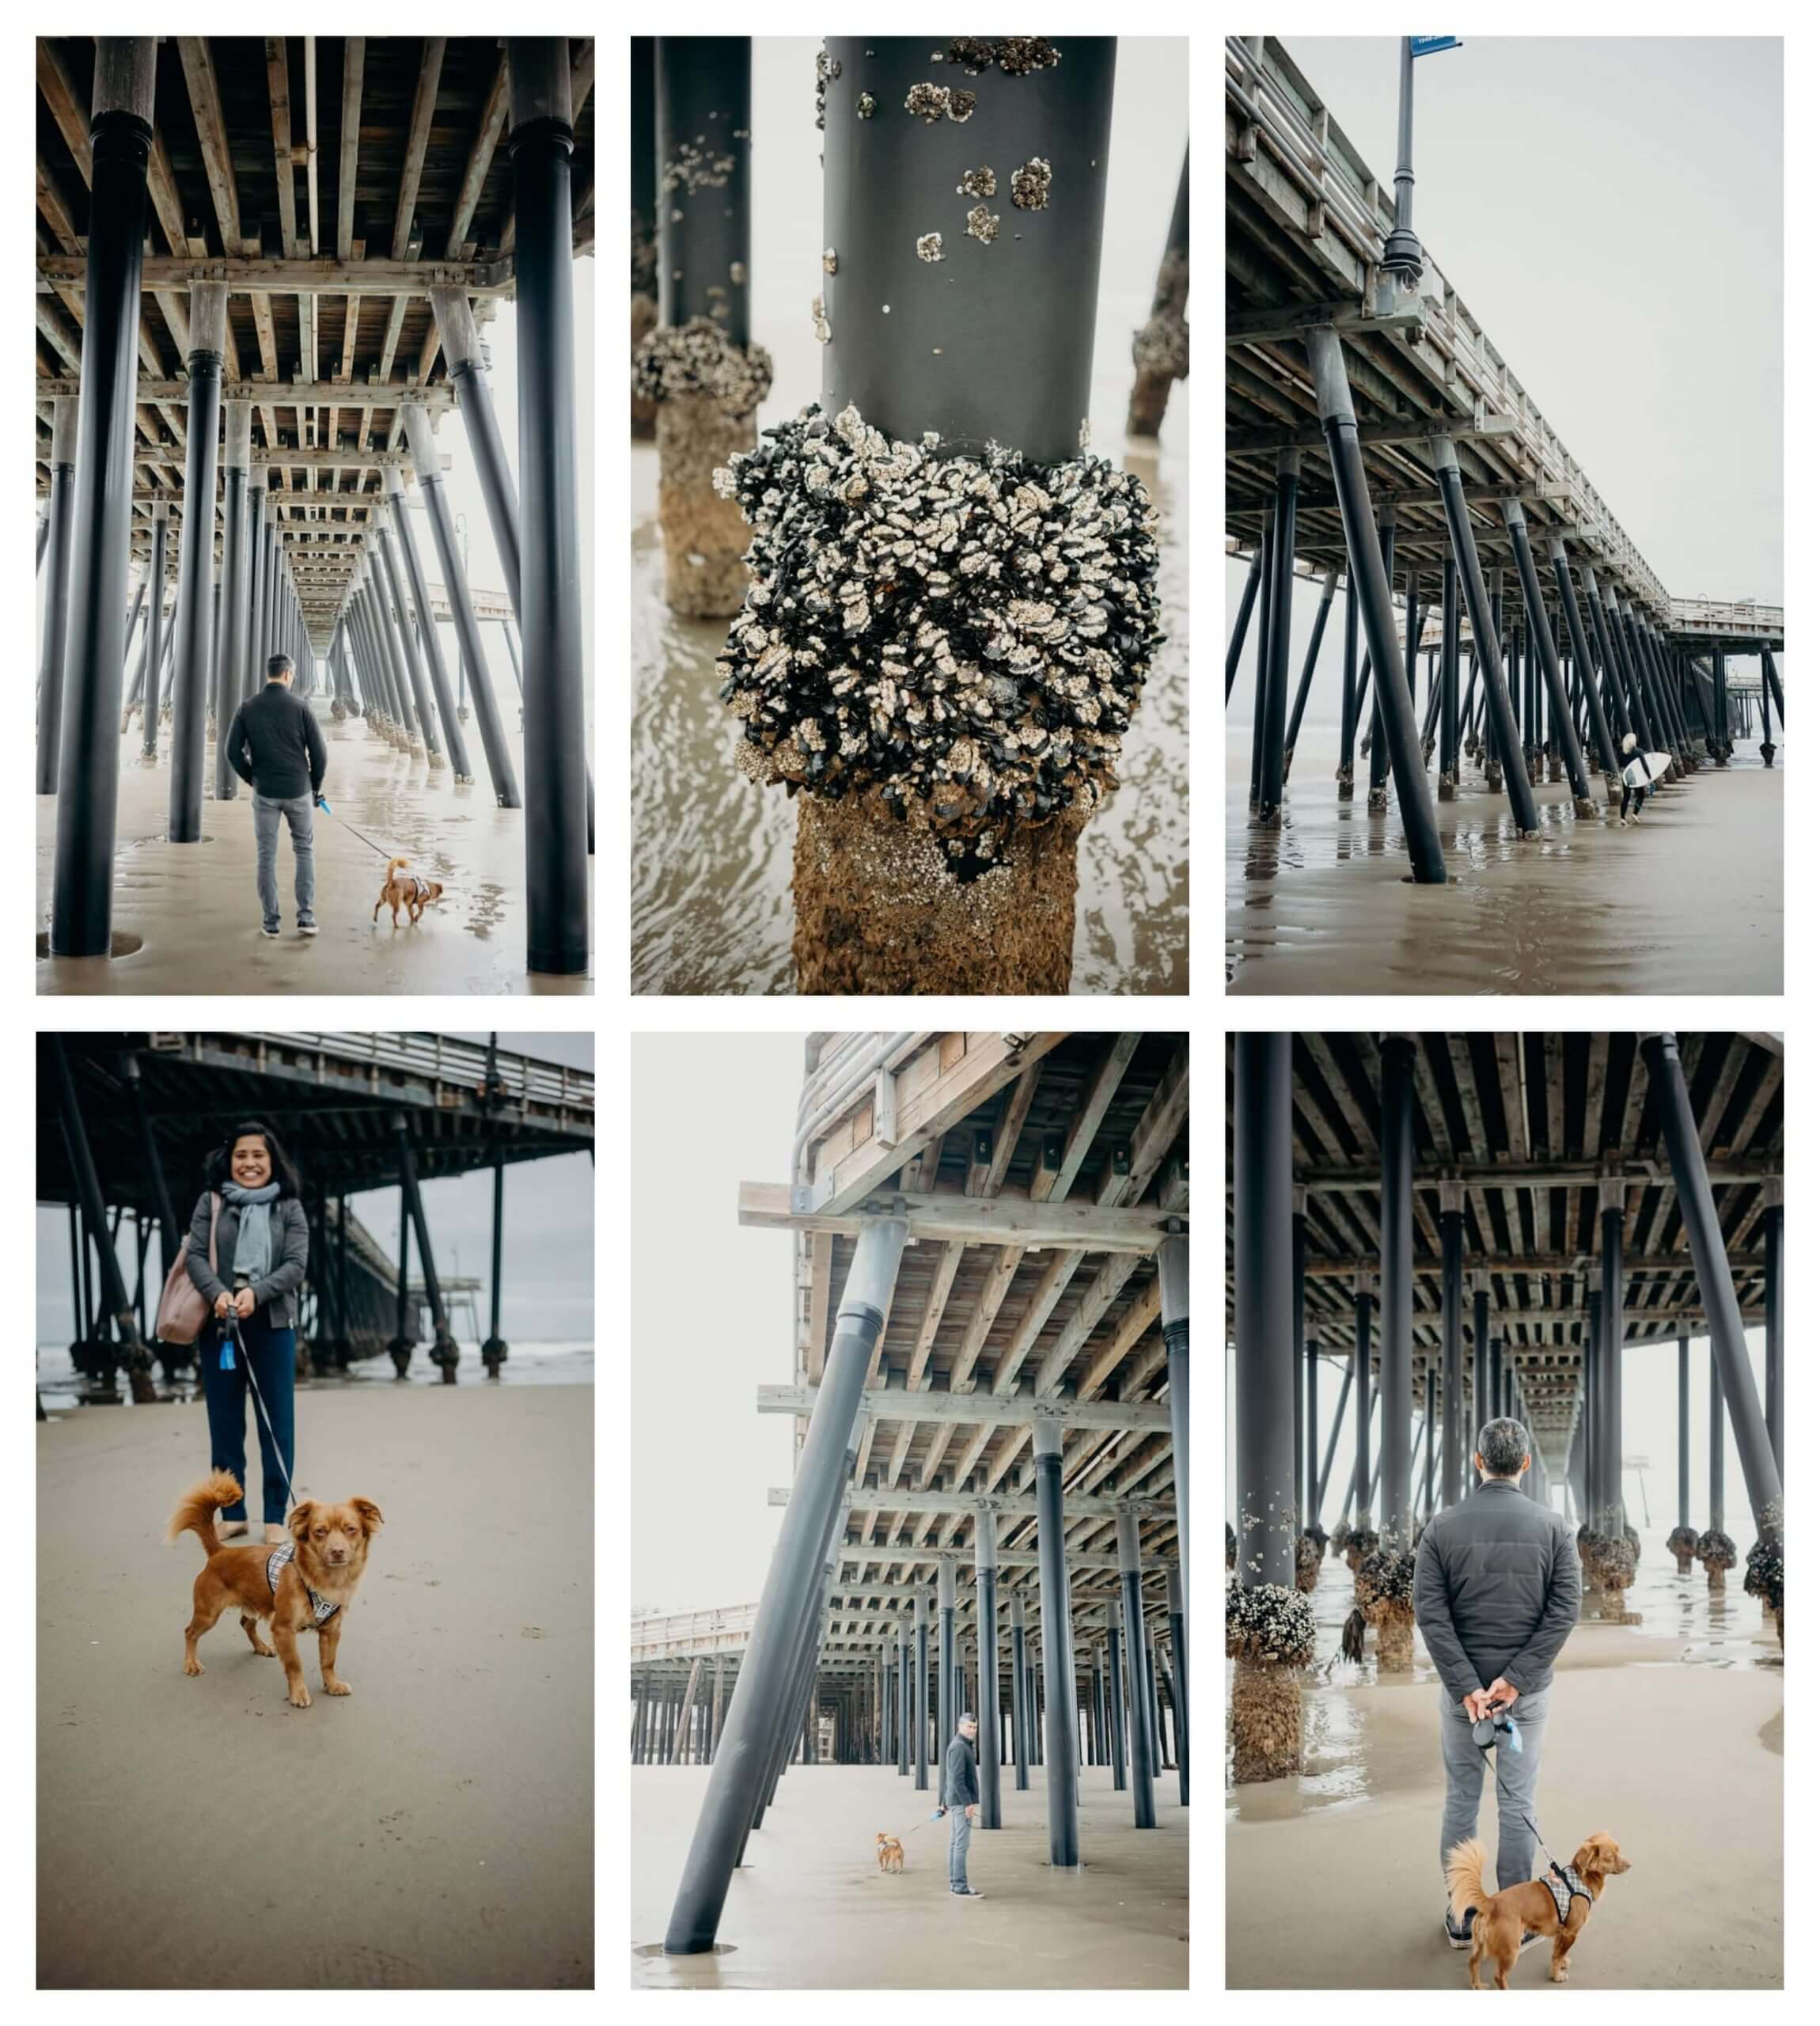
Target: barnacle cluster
[1385,1578]
[982,225]
[1608,1560]
[699,361]
[1231,1546]
[818,317]
[830,261]
[1361,1542]
[970,632]
[1307,1561]
[1682,1541]
[867,106]
[827,69]
[1763,1572]
[1017,55]
[1270,1623]
[692,168]
[929,246]
[1161,346]
[1717,1549]
[1030,185]
[929,103]
[979,182]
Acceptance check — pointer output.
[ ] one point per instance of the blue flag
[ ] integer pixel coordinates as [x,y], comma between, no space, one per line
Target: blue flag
[1431,45]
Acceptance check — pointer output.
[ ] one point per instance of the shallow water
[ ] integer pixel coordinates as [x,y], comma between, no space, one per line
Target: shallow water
[1689,901]
[711,853]
[1347,1759]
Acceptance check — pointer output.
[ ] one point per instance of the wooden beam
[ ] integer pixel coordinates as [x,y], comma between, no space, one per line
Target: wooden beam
[283,394]
[965,1409]
[211,134]
[324,277]
[54,211]
[1109,1283]
[278,84]
[162,186]
[58,92]
[1146,1310]
[820,1273]
[1047,1293]
[1009,1127]
[1008,1505]
[978,1071]
[422,116]
[1094,1101]
[987,1303]
[479,160]
[1155,1133]
[1003,1219]
[932,1310]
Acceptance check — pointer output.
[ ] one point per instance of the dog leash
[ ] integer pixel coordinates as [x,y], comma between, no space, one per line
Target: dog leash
[342,821]
[1498,1781]
[232,1322]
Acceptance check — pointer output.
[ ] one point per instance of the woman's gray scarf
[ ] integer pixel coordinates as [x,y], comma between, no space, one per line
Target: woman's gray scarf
[253,1243]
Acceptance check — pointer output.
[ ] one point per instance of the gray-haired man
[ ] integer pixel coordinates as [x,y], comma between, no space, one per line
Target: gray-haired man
[960,1797]
[1497,1592]
[277,748]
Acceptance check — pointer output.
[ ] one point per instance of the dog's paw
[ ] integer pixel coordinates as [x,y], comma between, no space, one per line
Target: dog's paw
[299,1697]
[336,1688]
[193,1666]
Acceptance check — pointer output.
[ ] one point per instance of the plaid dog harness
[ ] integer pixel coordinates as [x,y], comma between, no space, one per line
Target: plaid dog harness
[325,1610]
[1566,1885]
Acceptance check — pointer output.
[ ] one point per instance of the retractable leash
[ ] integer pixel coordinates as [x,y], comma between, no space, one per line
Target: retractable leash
[342,821]
[1491,1726]
[232,1322]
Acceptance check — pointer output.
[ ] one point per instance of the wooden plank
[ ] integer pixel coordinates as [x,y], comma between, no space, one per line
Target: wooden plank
[1145,1310]
[820,1273]
[278,87]
[352,75]
[59,91]
[479,160]
[1048,1290]
[245,273]
[1009,1127]
[1002,1219]
[422,115]
[1156,1134]
[932,1312]
[986,1306]
[1107,1284]
[161,187]
[54,211]
[211,134]
[1092,1109]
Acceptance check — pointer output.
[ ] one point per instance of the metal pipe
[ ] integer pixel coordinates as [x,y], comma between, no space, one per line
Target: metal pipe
[1564,737]
[113,1286]
[757,1698]
[1340,426]
[1115,1700]
[250,678]
[87,751]
[1144,1802]
[429,640]
[1301,689]
[1453,1380]
[1773,1387]
[1402,257]
[1349,694]
[1364,1397]
[1020,1709]
[1397,1216]
[1715,1444]
[231,636]
[1264,1345]
[1609,1520]
[945,1705]
[550,608]
[1333,1440]
[1178,1677]
[1706,1241]
[986,1583]
[1682,1474]
[1276,691]
[1247,598]
[1058,1673]
[1602,740]
[396,615]
[52,644]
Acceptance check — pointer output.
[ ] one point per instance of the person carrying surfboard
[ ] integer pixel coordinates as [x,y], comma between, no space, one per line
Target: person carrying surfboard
[1635,781]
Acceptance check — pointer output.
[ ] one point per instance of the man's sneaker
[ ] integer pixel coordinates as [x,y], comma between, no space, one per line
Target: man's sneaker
[1458,1937]
[965,1892]
[1530,1935]
[306,927]
[269,931]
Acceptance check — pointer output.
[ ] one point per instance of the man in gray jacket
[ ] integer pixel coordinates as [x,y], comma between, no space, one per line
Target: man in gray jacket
[960,1797]
[1497,1592]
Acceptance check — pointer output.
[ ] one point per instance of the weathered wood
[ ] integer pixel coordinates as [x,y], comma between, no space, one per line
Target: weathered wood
[965,1408]
[479,160]
[1011,1505]
[322,277]
[212,135]
[1006,1219]
[423,114]
[278,86]
[59,91]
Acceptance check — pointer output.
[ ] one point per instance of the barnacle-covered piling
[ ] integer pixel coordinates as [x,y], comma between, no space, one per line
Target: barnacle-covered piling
[1608,1567]
[953,607]
[1360,1542]
[1270,1640]
[1307,1560]
[1763,1577]
[1384,1591]
[1683,1542]
[1716,1552]
[1159,350]
[699,369]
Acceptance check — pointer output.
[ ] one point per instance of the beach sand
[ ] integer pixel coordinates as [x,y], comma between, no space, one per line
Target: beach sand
[1682,1763]
[1691,901]
[433,1829]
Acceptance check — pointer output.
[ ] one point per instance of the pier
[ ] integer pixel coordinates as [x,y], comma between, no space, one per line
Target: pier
[988,1512]
[1429,1231]
[265,267]
[1381,450]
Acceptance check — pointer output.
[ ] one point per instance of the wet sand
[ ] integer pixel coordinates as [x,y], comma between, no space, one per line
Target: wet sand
[1689,901]
[1667,1734]
[196,910]
[811,1911]
[435,1829]
[711,905]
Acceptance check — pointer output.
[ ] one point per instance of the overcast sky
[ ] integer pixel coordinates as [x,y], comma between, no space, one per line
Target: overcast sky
[1611,212]
[548,1271]
[711,1314]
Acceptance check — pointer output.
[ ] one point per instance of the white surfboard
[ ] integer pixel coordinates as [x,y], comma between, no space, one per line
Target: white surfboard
[1658,764]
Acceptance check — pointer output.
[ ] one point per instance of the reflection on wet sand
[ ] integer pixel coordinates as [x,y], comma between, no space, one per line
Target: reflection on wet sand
[1691,901]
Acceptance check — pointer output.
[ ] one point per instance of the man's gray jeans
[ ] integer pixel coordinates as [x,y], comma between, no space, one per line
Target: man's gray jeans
[296,810]
[1515,1773]
[960,1835]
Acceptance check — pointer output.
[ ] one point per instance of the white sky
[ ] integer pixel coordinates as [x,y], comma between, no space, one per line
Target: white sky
[548,1276]
[1611,211]
[711,1314]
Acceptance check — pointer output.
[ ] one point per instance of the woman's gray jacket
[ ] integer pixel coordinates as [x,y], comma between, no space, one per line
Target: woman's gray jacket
[290,1256]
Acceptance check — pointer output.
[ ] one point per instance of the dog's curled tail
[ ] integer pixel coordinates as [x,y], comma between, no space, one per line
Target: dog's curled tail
[391,865]
[1466,1880]
[196,1509]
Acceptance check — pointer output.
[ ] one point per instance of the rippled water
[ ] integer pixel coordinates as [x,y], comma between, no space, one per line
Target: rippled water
[711,853]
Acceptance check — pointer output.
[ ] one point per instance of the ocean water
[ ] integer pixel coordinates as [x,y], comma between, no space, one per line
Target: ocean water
[60,1384]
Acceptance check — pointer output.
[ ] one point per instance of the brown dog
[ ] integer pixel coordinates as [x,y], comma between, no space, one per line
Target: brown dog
[309,1590]
[1505,1917]
[890,1853]
[406,890]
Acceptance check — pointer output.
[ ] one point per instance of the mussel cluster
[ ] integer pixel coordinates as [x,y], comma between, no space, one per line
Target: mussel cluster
[1231,1546]
[1269,1622]
[1763,1572]
[1017,55]
[1387,1576]
[699,361]
[972,631]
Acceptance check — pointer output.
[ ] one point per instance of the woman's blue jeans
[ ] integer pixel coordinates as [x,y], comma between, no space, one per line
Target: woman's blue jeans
[274,1356]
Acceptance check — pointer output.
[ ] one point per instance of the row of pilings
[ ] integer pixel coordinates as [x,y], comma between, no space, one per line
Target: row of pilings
[1274,1549]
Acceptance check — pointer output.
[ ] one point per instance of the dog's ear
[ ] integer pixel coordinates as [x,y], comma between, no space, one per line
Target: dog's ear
[1590,1857]
[370,1515]
[301,1517]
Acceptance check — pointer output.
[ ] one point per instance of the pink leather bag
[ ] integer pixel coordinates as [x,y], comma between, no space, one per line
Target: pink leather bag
[182,1308]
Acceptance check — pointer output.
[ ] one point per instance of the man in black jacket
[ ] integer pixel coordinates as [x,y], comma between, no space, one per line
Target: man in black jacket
[277,748]
[960,1796]
[1497,1592]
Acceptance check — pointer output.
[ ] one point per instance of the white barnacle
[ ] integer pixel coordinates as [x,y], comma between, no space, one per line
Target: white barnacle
[929,246]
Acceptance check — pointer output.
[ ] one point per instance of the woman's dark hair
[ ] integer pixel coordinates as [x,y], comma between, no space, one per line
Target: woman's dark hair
[220,1167]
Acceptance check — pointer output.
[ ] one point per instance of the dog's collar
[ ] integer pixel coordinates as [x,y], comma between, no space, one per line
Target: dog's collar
[323,1608]
[1565,1886]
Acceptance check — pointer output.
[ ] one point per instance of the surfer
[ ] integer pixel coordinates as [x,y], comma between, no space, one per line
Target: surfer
[1635,781]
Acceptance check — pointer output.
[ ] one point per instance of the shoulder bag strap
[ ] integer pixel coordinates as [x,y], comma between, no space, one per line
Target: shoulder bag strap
[214,1218]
